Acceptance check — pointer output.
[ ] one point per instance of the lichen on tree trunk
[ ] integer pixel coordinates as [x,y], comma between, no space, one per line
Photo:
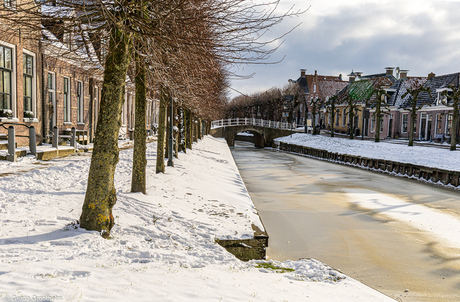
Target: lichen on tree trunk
[138,183]
[100,193]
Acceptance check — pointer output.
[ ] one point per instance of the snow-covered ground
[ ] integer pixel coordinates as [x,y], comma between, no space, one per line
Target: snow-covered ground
[162,247]
[425,156]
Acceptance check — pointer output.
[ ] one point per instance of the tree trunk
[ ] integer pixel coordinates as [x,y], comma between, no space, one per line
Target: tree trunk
[377,123]
[176,120]
[413,117]
[313,118]
[200,128]
[454,130]
[351,120]
[138,183]
[332,120]
[189,136]
[160,165]
[194,129]
[100,193]
[168,119]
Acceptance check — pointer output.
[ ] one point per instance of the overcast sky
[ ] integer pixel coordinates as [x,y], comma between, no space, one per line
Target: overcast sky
[338,36]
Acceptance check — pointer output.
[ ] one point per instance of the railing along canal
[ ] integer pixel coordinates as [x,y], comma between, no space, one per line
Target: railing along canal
[253,122]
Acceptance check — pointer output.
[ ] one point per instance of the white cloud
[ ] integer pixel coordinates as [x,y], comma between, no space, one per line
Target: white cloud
[365,35]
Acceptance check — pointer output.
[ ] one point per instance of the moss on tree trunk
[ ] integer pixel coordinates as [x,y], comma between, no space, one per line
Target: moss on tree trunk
[138,183]
[100,193]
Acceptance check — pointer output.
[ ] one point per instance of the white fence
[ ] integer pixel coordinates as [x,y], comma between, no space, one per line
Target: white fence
[252,121]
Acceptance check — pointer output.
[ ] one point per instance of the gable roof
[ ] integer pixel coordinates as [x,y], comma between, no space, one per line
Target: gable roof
[434,83]
[401,87]
[363,89]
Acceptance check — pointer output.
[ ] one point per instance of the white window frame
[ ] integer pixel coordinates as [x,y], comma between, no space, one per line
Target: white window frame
[440,98]
[67,102]
[451,116]
[34,86]
[13,82]
[96,105]
[406,116]
[436,124]
[79,91]
[52,90]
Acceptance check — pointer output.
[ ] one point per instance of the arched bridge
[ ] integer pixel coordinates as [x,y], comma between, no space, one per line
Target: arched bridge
[264,131]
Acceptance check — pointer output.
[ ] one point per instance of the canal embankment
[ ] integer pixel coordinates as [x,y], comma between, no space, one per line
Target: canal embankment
[433,165]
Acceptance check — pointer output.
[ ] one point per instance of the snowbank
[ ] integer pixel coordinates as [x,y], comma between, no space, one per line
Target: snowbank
[424,156]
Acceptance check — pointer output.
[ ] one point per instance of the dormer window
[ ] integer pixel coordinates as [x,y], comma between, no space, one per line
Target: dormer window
[390,92]
[441,98]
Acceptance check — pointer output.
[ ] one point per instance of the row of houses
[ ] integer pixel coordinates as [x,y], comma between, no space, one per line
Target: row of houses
[47,81]
[434,115]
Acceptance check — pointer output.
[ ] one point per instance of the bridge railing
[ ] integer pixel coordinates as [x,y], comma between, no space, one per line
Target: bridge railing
[252,121]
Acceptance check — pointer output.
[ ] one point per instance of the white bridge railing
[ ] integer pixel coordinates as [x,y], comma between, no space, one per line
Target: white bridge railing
[254,122]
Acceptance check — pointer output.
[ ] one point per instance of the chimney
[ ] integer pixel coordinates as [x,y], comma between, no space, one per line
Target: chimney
[302,73]
[351,76]
[316,74]
[389,71]
[431,75]
[403,73]
[340,77]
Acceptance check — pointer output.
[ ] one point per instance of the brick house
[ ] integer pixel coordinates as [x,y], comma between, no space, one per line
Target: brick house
[72,83]
[398,120]
[434,119]
[314,88]
[20,77]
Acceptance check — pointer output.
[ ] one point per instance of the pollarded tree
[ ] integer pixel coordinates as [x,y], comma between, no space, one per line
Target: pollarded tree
[380,105]
[352,108]
[454,94]
[331,108]
[315,103]
[414,107]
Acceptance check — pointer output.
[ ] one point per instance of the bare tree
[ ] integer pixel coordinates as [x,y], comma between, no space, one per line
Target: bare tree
[454,95]
[414,107]
[379,104]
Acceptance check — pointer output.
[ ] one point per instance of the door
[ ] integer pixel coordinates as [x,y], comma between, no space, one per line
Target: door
[422,127]
[428,127]
[51,85]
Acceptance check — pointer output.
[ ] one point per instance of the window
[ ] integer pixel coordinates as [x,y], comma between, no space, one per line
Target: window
[442,99]
[6,72]
[51,87]
[28,63]
[96,105]
[438,123]
[449,124]
[66,100]
[80,103]
[373,123]
[9,3]
[405,119]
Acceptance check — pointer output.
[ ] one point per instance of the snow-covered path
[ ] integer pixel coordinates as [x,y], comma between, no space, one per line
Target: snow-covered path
[162,246]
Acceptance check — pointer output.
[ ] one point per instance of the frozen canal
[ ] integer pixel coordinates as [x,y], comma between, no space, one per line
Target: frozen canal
[396,235]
